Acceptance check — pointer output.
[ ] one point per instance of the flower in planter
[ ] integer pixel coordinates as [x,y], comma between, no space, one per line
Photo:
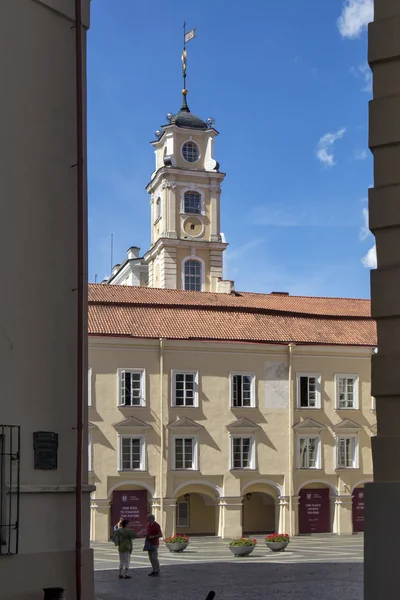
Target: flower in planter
[177,539]
[243,542]
[277,537]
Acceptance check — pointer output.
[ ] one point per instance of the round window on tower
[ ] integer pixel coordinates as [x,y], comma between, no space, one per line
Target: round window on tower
[190,152]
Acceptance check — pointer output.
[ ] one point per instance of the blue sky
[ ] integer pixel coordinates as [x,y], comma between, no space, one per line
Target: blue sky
[288,85]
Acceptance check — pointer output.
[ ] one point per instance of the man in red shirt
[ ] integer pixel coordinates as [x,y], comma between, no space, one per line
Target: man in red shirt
[153,535]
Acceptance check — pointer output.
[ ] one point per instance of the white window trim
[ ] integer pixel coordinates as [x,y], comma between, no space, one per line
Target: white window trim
[143,461]
[202,202]
[253,402]
[178,523]
[317,392]
[319,451]
[175,372]
[195,463]
[90,452]
[356,390]
[356,464]
[157,217]
[203,270]
[252,452]
[142,384]
[90,386]
[190,139]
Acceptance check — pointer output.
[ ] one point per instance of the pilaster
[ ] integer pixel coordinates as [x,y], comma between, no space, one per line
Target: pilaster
[282,514]
[230,521]
[100,519]
[344,515]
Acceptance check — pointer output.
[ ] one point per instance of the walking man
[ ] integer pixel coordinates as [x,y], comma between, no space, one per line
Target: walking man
[153,535]
[123,538]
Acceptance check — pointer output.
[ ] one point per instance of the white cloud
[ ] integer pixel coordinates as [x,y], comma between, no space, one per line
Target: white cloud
[359,154]
[364,231]
[324,150]
[369,260]
[356,14]
[364,72]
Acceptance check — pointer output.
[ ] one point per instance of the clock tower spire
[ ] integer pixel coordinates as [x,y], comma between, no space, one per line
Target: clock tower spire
[186,244]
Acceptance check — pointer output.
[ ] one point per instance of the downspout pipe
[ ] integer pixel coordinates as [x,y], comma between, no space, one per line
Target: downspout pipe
[161,471]
[290,435]
[81,295]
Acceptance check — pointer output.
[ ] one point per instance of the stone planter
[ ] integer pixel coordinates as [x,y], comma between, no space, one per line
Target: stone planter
[276,546]
[241,550]
[53,593]
[177,547]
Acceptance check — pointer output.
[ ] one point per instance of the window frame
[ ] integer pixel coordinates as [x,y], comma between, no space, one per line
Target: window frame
[157,209]
[195,451]
[318,462]
[197,193]
[317,391]
[356,458]
[253,402]
[339,376]
[143,461]
[202,271]
[198,151]
[142,373]
[174,373]
[252,466]
[178,522]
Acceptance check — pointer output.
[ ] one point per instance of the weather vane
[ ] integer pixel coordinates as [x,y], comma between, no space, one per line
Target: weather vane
[186,38]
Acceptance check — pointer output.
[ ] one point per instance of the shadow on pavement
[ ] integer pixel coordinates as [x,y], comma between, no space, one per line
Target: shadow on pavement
[237,581]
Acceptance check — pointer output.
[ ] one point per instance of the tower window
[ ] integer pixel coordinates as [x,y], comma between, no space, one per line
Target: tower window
[193,275]
[192,203]
[157,211]
[190,152]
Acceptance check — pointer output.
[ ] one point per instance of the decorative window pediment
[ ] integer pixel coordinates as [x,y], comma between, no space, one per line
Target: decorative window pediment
[242,425]
[184,424]
[131,425]
[309,425]
[347,425]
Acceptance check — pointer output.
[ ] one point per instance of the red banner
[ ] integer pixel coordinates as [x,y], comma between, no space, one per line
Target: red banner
[130,505]
[314,511]
[358,510]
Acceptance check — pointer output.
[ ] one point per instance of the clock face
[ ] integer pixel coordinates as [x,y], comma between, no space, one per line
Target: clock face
[193,227]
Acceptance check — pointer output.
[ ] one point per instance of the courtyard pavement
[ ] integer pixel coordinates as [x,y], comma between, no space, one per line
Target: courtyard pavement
[322,567]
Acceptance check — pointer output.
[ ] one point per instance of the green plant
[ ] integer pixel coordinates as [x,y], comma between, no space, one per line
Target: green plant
[177,539]
[243,542]
[277,537]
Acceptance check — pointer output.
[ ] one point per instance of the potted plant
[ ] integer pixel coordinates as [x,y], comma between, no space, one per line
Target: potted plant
[277,542]
[177,542]
[242,546]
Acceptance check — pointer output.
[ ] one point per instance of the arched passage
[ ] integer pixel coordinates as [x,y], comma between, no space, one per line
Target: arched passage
[316,513]
[132,502]
[258,513]
[197,509]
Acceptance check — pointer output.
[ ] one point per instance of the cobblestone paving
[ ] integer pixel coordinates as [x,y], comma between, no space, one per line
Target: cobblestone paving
[323,567]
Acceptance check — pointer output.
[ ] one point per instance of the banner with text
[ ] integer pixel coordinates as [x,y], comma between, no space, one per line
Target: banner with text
[130,505]
[314,511]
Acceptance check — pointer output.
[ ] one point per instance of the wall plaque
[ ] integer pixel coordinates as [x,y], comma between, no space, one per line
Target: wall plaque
[45,444]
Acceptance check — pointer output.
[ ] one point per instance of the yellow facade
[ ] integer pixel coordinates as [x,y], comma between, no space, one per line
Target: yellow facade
[213,495]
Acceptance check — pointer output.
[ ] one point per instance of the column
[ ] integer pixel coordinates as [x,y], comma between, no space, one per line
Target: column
[344,514]
[282,514]
[169,516]
[100,513]
[230,525]
[294,515]
[382,497]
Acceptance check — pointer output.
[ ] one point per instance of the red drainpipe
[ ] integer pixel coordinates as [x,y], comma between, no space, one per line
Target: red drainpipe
[80,354]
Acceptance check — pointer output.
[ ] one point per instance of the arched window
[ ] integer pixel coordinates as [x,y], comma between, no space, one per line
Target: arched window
[157,210]
[192,203]
[193,275]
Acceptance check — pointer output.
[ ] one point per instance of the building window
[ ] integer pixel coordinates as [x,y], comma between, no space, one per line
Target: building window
[182,514]
[309,452]
[157,209]
[243,453]
[347,452]
[184,388]
[185,453]
[132,454]
[192,203]
[193,275]
[90,387]
[190,152]
[308,391]
[132,387]
[242,390]
[346,391]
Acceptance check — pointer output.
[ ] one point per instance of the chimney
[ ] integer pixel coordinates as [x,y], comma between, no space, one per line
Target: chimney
[225,286]
[115,269]
[133,252]
[279,294]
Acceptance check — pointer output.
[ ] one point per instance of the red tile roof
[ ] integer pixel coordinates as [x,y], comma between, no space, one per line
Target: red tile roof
[243,316]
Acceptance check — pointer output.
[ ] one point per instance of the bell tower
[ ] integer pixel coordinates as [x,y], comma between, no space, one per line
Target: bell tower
[186,244]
